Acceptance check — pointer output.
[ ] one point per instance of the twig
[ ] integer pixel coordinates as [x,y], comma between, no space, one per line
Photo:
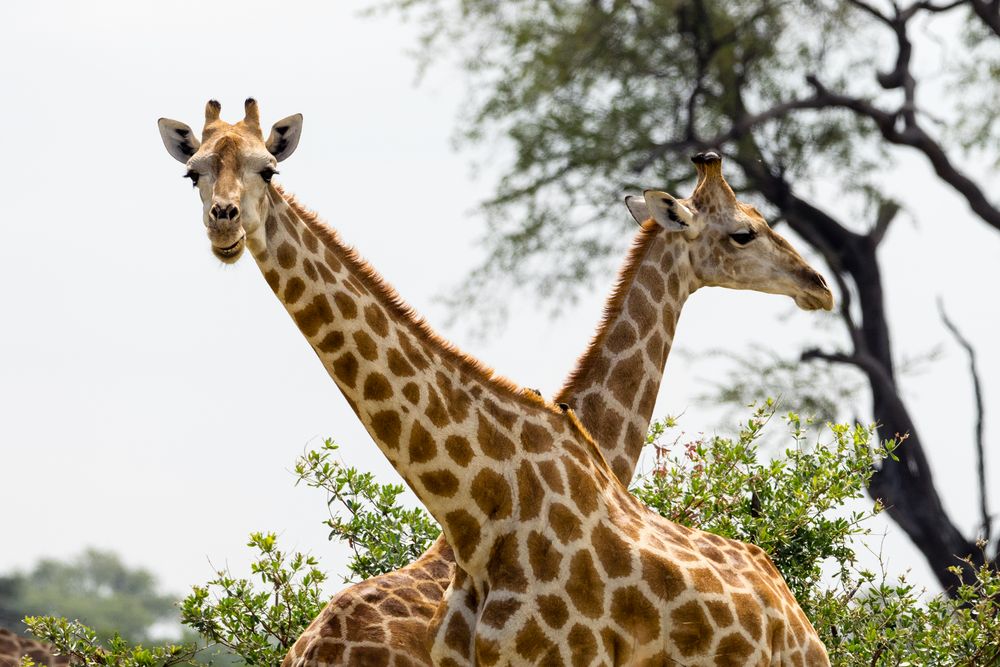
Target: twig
[978,390]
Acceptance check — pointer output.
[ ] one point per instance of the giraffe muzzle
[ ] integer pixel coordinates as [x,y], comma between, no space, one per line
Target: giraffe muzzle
[230,212]
[820,292]
[816,300]
[232,252]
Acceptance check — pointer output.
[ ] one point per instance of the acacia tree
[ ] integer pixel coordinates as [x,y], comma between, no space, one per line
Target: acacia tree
[597,96]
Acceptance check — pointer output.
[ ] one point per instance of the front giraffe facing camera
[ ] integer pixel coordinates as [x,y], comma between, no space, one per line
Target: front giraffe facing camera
[231,167]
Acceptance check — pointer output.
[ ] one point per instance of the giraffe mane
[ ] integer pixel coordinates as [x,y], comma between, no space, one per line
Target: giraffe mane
[612,308]
[405,313]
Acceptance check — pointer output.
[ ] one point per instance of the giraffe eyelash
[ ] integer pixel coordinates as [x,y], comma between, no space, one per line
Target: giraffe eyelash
[193,175]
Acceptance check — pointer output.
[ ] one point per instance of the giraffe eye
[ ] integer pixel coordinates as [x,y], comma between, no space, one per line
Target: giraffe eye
[743,238]
[193,175]
[267,173]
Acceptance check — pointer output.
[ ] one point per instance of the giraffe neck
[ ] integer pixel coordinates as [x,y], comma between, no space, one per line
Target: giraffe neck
[614,385]
[447,424]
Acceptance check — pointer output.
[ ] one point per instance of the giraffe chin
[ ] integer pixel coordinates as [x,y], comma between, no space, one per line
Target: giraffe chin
[229,254]
[815,302]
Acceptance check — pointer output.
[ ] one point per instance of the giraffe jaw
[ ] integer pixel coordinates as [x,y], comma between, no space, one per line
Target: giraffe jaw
[823,301]
[231,253]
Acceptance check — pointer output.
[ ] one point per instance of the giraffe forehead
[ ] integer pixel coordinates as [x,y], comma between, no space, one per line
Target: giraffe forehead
[718,211]
[231,150]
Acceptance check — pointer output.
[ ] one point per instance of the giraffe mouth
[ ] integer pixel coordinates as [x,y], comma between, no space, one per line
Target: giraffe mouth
[232,252]
[822,301]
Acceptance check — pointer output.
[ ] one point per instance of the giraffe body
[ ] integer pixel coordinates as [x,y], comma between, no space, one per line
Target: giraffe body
[13,648]
[640,318]
[541,528]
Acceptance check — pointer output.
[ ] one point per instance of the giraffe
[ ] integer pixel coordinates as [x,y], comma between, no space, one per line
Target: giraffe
[14,647]
[561,563]
[384,620]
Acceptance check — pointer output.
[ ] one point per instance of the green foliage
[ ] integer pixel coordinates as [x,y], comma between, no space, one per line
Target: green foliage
[82,645]
[383,535]
[260,617]
[787,506]
[872,620]
[792,505]
[95,587]
[257,618]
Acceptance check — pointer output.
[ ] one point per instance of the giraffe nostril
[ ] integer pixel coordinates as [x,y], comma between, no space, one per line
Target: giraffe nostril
[233,212]
[215,212]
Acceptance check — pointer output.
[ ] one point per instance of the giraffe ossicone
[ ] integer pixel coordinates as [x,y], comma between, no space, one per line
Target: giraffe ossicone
[556,561]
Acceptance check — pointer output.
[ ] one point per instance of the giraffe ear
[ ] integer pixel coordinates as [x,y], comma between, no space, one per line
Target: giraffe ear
[636,205]
[668,212]
[178,138]
[285,137]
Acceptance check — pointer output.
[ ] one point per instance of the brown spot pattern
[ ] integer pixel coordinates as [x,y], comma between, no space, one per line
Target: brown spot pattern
[314,315]
[377,388]
[635,614]
[332,342]
[398,365]
[422,447]
[612,551]
[376,320]
[553,609]
[531,641]
[412,392]
[733,651]
[664,579]
[691,631]
[584,645]
[493,443]
[387,427]
[564,522]
[585,586]
[535,438]
[622,337]
[346,305]
[504,568]
[491,494]
[458,449]
[285,255]
[464,533]
[436,411]
[623,382]
[543,557]
[366,346]
[498,612]
[529,492]
[294,290]
[440,483]
[345,367]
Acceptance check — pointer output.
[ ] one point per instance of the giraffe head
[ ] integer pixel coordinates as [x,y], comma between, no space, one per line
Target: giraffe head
[232,166]
[729,243]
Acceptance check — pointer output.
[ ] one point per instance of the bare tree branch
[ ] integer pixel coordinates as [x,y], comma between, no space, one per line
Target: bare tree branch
[980,444]
[865,7]
[906,486]
[989,12]
[901,126]
[887,212]
[931,7]
[915,136]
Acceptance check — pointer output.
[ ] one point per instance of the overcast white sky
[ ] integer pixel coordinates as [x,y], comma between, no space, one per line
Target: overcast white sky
[152,401]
